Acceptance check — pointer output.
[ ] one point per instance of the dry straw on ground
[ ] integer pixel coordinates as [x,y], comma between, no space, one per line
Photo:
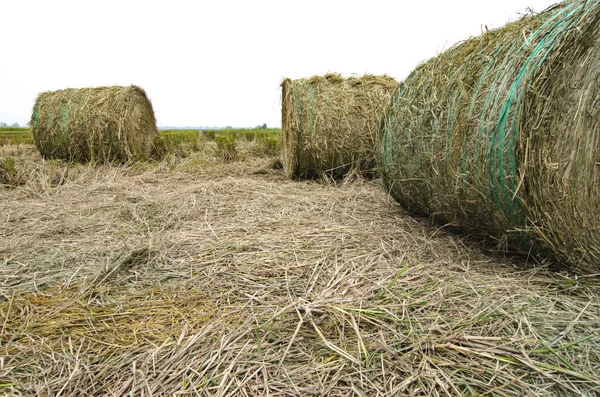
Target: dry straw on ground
[195,277]
[499,136]
[9,176]
[101,124]
[330,123]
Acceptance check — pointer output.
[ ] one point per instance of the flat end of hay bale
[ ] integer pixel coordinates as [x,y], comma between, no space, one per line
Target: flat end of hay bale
[330,124]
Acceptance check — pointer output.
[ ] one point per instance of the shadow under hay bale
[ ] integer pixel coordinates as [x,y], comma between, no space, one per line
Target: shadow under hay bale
[330,124]
[500,135]
[102,124]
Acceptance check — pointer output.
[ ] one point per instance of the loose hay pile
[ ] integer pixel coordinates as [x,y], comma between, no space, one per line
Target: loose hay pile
[330,124]
[101,124]
[500,136]
[172,279]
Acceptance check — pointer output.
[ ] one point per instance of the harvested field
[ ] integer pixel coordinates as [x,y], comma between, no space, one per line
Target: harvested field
[15,136]
[192,276]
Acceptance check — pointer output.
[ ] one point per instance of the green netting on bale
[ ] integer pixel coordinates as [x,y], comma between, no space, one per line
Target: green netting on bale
[499,136]
[330,124]
[102,124]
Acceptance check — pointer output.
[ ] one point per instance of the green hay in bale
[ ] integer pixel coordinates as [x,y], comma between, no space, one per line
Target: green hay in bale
[330,124]
[103,124]
[500,136]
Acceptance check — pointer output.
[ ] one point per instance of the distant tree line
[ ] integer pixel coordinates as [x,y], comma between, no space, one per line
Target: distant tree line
[13,125]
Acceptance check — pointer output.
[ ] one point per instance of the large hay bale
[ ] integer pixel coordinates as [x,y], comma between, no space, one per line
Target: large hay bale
[500,136]
[330,124]
[102,124]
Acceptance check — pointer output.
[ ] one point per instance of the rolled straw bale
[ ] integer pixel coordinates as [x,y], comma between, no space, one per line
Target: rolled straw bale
[102,124]
[330,123]
[499,135]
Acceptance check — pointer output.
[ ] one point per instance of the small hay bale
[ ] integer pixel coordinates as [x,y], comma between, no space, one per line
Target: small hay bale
[103,124]
[499,136]
[330,124]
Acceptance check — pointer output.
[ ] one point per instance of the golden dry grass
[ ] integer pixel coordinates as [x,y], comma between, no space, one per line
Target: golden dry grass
[197,277]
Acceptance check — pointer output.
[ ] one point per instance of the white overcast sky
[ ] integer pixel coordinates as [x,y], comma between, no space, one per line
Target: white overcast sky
[220,62]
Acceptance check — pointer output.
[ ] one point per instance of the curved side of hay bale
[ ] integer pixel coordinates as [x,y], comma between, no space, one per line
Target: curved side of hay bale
[289,129]
[499,136]
[102,124]
[330,123]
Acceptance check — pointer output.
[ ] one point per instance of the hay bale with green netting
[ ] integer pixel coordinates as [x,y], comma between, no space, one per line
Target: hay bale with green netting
[500,136]
[101,124]
[330,123]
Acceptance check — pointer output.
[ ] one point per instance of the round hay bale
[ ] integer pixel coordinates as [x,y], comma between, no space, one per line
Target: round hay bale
[499,136]
[103,124]
[330,124]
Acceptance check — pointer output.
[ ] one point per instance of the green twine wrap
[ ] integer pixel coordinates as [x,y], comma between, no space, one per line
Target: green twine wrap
[457,142]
